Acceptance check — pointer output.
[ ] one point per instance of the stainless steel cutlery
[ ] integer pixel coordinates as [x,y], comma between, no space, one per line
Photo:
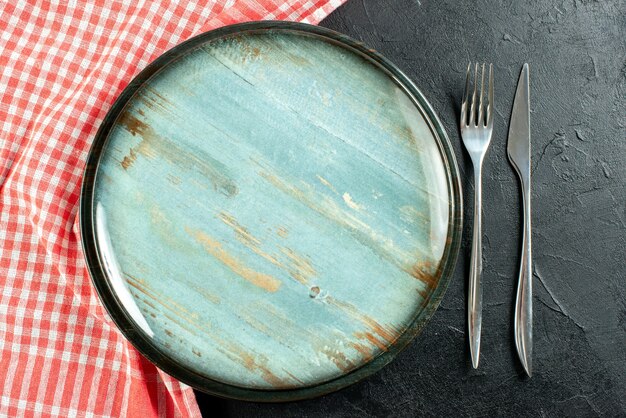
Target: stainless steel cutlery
[519,154]
[476,130]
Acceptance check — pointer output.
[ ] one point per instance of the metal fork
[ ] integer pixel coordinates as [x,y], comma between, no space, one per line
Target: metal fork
[476,132]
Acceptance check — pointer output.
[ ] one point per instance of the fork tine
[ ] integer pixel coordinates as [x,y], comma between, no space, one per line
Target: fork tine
[465,97]
[481,114]
[472,115]
[490,99]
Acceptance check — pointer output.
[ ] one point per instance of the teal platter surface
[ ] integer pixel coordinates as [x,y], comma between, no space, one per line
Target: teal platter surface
[271,211]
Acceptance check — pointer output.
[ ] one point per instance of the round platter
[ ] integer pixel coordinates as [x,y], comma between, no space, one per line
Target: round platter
[270,211]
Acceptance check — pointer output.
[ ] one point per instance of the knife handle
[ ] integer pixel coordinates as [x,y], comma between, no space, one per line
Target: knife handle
[523,326]
[475,293]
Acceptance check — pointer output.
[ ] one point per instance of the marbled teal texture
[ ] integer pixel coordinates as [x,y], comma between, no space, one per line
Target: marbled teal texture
[272,209]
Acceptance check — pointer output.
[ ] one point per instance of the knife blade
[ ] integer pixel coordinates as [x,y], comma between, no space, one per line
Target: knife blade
[518,150]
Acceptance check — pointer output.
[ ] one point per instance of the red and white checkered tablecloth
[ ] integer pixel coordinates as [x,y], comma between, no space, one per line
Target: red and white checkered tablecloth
[62,64]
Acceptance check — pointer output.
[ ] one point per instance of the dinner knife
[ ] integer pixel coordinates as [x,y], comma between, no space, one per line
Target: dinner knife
[519,156]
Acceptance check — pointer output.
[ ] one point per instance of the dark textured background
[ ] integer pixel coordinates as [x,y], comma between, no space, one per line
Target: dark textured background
[577,56]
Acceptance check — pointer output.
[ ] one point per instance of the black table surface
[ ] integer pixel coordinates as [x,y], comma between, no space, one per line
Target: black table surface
[577,55]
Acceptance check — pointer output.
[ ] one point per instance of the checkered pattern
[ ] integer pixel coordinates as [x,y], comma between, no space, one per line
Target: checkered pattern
[62,64]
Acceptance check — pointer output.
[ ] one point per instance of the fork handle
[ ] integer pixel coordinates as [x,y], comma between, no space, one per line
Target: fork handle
[475,295]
